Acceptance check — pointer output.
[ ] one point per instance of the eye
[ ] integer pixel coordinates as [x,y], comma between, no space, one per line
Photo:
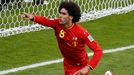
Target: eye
[63,13]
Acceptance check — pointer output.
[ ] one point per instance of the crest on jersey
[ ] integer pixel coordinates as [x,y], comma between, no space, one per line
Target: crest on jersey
[75,41]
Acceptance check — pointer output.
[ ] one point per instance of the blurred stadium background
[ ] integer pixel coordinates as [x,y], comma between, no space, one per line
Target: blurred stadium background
[113,31]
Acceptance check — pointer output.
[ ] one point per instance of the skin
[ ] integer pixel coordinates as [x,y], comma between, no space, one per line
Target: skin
[64,17]
[66,21]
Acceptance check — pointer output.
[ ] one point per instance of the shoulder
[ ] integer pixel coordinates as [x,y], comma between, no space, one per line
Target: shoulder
[82,31]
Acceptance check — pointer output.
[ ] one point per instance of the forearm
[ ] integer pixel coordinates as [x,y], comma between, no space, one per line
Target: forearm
[41,20]
[95,59]
[45,21]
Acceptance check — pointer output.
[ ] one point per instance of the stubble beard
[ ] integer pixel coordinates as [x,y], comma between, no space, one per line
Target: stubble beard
[63,21]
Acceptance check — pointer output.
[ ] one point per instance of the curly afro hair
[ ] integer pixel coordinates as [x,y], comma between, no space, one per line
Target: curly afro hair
[72,8]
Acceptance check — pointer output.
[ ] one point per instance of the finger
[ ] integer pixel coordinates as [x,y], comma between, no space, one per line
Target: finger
[76,73]
[26,14]
[23,16]
[26,18]
[80,73]
[33,14]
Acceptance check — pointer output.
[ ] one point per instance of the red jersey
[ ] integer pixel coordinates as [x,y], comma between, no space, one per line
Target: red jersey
[72,42]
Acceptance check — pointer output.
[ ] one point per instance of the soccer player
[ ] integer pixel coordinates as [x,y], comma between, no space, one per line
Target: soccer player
[72,39]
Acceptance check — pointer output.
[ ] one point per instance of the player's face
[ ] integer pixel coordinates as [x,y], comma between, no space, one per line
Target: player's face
[64,16]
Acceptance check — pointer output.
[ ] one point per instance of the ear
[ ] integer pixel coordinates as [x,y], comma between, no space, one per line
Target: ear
[71,17]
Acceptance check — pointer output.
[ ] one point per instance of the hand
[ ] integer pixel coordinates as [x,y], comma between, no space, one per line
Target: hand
[82,71]
[27,16]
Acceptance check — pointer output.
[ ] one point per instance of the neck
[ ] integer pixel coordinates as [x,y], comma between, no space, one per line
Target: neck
[69,25]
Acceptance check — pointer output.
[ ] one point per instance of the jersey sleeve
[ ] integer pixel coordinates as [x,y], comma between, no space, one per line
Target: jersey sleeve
[45,21]
[95,47]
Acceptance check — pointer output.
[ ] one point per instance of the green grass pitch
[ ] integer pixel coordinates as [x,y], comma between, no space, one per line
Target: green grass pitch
[29,48]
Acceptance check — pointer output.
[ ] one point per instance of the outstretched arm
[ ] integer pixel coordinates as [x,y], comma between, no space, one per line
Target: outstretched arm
[40,19]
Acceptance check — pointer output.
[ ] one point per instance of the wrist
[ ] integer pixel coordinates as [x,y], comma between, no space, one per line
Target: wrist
[32,19]
[90,68]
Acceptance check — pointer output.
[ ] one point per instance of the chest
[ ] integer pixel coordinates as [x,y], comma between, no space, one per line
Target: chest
[70,37]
